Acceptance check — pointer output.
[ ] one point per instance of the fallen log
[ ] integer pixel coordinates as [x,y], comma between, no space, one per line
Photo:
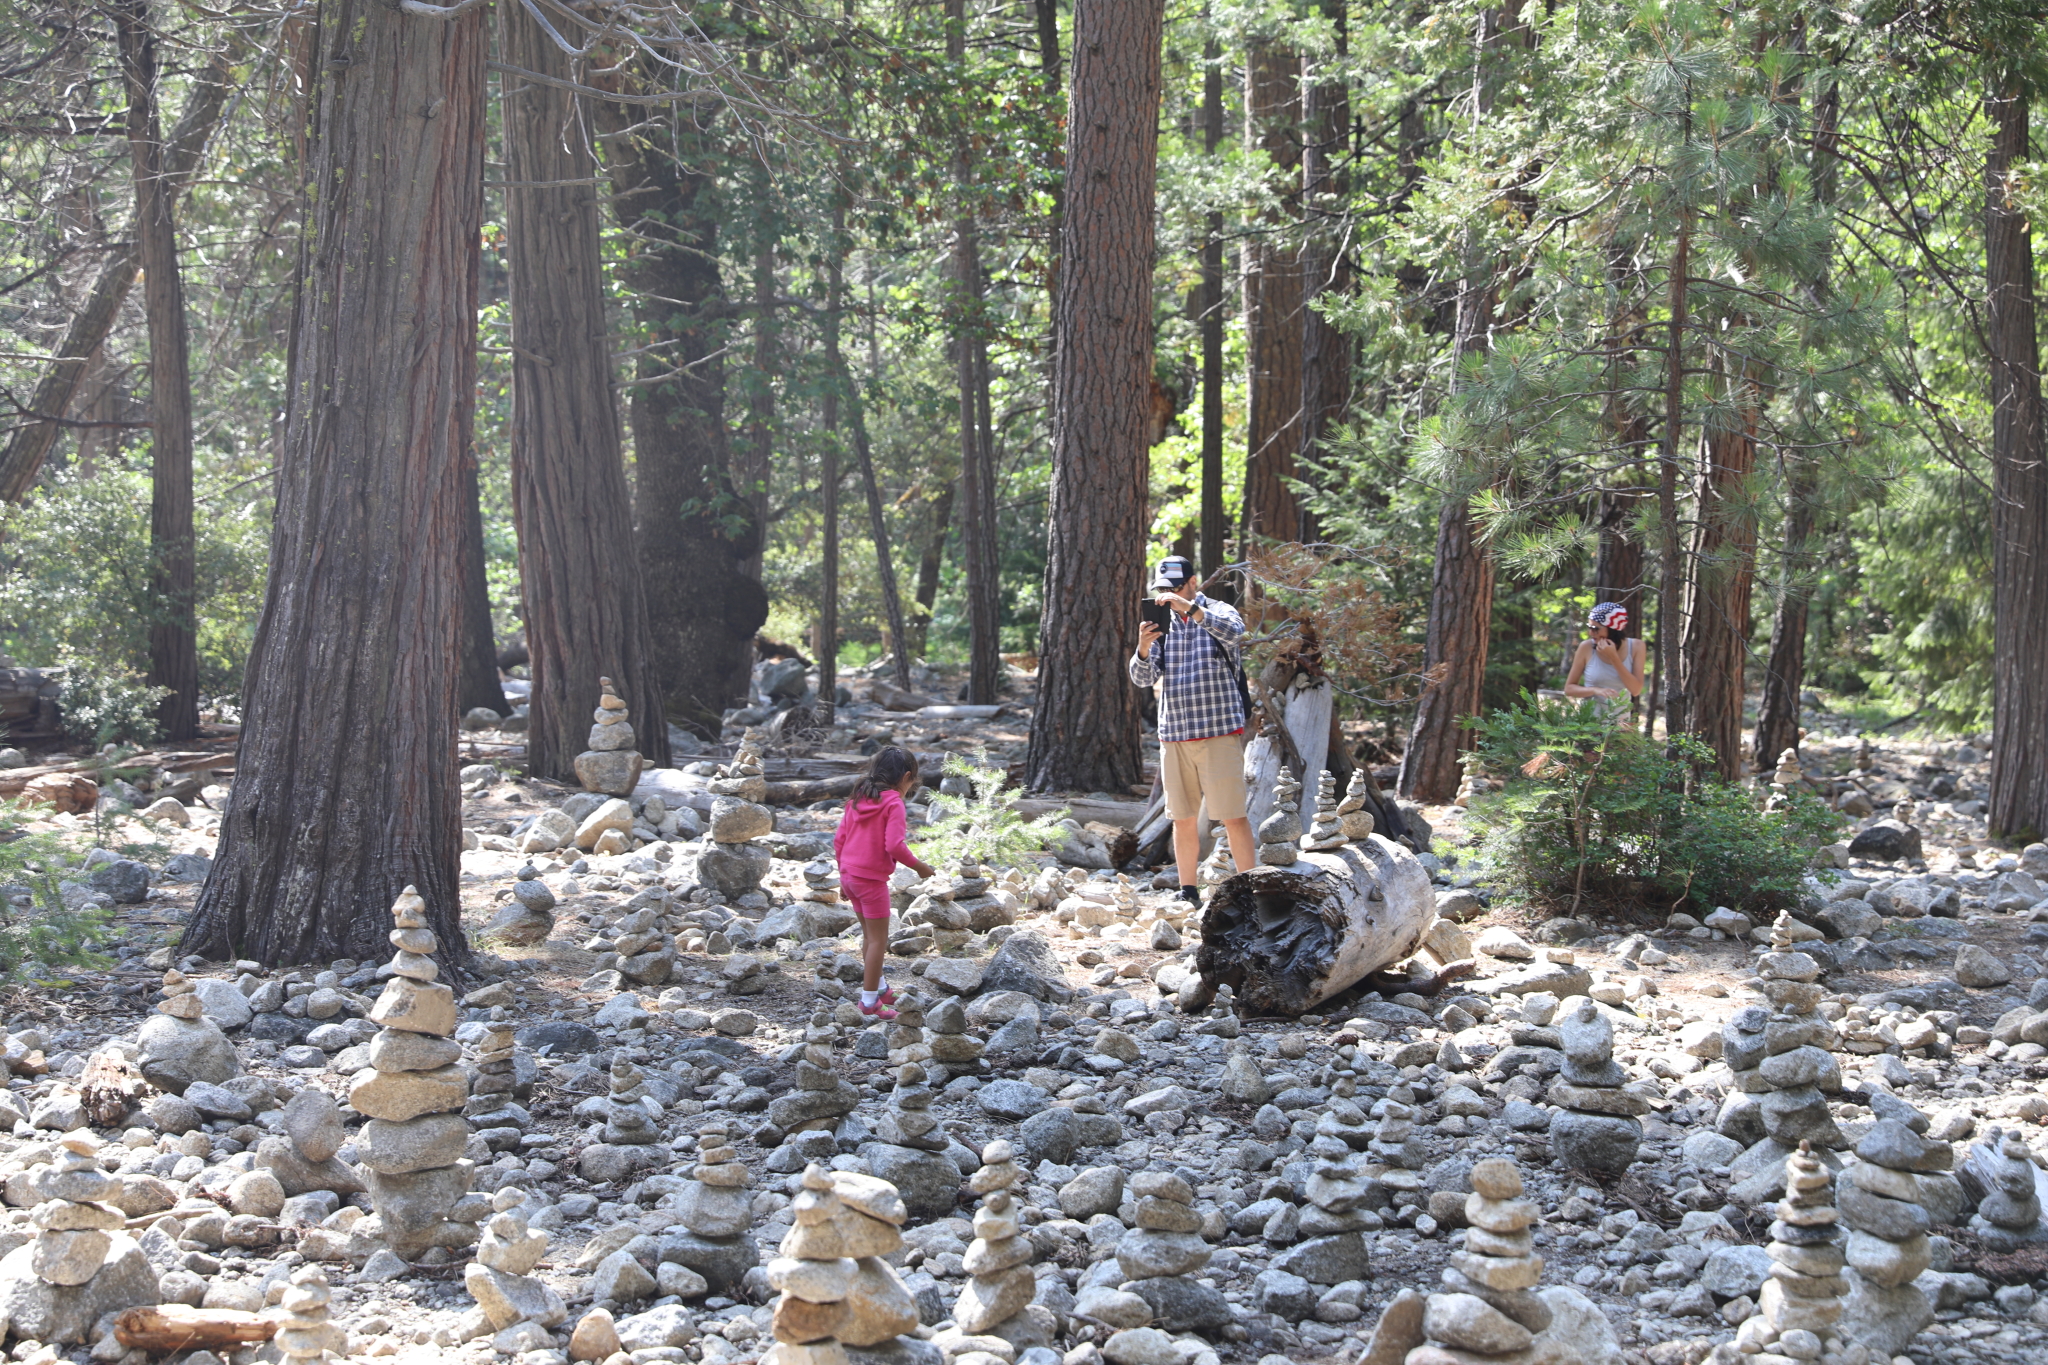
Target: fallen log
[1286,938]
[170,1327]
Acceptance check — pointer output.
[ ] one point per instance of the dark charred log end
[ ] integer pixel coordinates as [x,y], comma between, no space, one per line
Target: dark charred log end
[1269,935]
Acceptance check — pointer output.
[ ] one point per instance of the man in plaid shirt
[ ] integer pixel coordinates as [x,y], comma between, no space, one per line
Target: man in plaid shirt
[1201,715]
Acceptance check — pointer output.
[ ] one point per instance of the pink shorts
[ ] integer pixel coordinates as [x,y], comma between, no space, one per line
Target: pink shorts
[870,898]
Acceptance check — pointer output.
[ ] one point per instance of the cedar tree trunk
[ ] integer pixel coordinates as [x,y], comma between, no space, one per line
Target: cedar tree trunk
[1215,526]
[346,789]
[1722,560]
[1084,734]
[1326,351]
[478,683]
[584,605]
[1777,716]
[1272,299]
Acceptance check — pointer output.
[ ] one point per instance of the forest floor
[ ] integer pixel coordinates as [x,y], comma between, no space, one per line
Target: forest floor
[1670,1253]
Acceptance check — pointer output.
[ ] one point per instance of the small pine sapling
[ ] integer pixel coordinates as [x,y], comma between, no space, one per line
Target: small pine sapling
[982,826]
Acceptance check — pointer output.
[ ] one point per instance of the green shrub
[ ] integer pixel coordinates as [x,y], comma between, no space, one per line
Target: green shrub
[103,705]
[1591,811]
[983,825]
[39,935]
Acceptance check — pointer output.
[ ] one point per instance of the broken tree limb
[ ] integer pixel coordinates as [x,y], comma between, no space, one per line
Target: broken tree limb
[1285,939]
[174,1327]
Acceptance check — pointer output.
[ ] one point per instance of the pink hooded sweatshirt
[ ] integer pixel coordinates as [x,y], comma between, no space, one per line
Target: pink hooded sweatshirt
[870,841]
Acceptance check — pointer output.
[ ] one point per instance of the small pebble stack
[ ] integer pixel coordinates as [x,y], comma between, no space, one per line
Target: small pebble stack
[1279,835]
[1352,817]
[822,1096]
[946,1032]
[835,1286]
[821,882]
[1801,1302]
[490,1106]
[180,1044]
[716,1208]
[731,861]
[1887,1245]
[501,1279]
[1328,830]
[304,1335]
[1798,1070]
[908,1122]
[1000,1284]
[1492,1307]
[2010,1215]
[1338,1187]
[1595,1128]
[412,1095]
[1396,1155]
[610,765]
[905,1039]
[628,1122]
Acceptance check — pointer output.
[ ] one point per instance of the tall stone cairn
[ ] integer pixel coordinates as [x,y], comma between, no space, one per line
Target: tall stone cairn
[1328,830]
[908,1121]
[1279,834]
[82,1263]
[1595,1128]
[611,764]
[413,1095]
[1492,1308]
[1801,1302]
[501,1278]
[1798,1069]
[1000,1284]
[1396,1155]
[1339,1187]
[304,1335]
[951,1044]
[835,1287]
[822,1096]
[1887,1245]
[716,1209]
[1352,817]
[2010,1215]
[627,1120]
[731,861]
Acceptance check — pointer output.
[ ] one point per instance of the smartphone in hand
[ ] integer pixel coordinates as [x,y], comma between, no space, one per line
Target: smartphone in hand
[1155,614]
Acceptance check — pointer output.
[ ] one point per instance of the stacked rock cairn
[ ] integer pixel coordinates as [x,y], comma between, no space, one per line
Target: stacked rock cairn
[304,1335]
[716,1208]
[1396,1156]
[490,1108]
[821,882]
[835,1287]
[1352,816]
[1492,1308]
[412,1095]
[905,1037]
[611,764]
[1279,835]
[1887,1245]
[83,1260]
[1167,1241]
[1339,1187]
[731,861]
[908,1122]
[2010,1215]
[1797,1071]
[501,1278]
[822,1096]
[180,1044]
[1000,1284]
[1328,830]
[628,1120]
[303,1158]
[951,1044]
[1801,1301]
[1595,1128]
[530,918]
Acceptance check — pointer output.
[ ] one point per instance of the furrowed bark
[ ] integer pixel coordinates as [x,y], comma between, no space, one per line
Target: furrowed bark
[1273,299]
[345,790]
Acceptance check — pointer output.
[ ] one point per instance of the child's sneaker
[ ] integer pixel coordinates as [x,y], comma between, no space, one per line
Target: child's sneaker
[888,996]
[879,1010]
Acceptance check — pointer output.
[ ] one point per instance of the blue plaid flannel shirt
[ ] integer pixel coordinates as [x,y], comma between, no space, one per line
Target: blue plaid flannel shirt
[1200,698]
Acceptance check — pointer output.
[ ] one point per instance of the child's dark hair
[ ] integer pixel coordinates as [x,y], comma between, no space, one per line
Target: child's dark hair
[886,771]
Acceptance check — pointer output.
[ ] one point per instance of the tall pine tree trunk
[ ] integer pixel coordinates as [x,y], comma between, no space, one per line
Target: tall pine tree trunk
[1084,733]
[1326,351]
[2019,489]
[929,563]
[694,530]
[1215,526]
[477,683]
[1722,563]
[173,646]
[1777,716]
[585,605]
[977,466]
[1272,298]
[346,785]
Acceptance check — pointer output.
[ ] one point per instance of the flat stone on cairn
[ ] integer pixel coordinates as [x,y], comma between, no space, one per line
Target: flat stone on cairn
[834,1283]
[1352,817]
[501,1278]
[1887,1245]
[731,861]
[1000,1284]
[610,765]
[1595,1128]
[822,1096]
[181,1045]
[1328,830]
[1279,834]
[304,1334]
[82,1263]
[412,1095]
[2010,1216]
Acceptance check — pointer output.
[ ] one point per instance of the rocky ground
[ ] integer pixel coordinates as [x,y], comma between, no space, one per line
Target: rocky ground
[1068,983]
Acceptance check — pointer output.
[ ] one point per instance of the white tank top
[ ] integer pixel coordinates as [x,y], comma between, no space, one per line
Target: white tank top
[1600,673]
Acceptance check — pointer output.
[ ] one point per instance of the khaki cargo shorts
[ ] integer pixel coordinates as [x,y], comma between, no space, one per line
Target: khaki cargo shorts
[1195,770]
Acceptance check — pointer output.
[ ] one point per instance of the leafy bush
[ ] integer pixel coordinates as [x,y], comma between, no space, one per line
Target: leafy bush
[983,825]
[39,934]
[103,705]
[76,578]
[1590,810]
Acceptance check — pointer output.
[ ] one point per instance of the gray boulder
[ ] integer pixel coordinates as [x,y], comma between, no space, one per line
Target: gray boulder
[1025,963]
[177,1052]
[64,1314]
[928,1182]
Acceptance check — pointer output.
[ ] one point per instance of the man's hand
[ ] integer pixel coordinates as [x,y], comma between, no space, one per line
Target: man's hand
[1176,603]
[1148,635]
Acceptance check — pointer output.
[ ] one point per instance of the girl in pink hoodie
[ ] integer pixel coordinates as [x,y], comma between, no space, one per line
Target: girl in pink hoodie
[869,844]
